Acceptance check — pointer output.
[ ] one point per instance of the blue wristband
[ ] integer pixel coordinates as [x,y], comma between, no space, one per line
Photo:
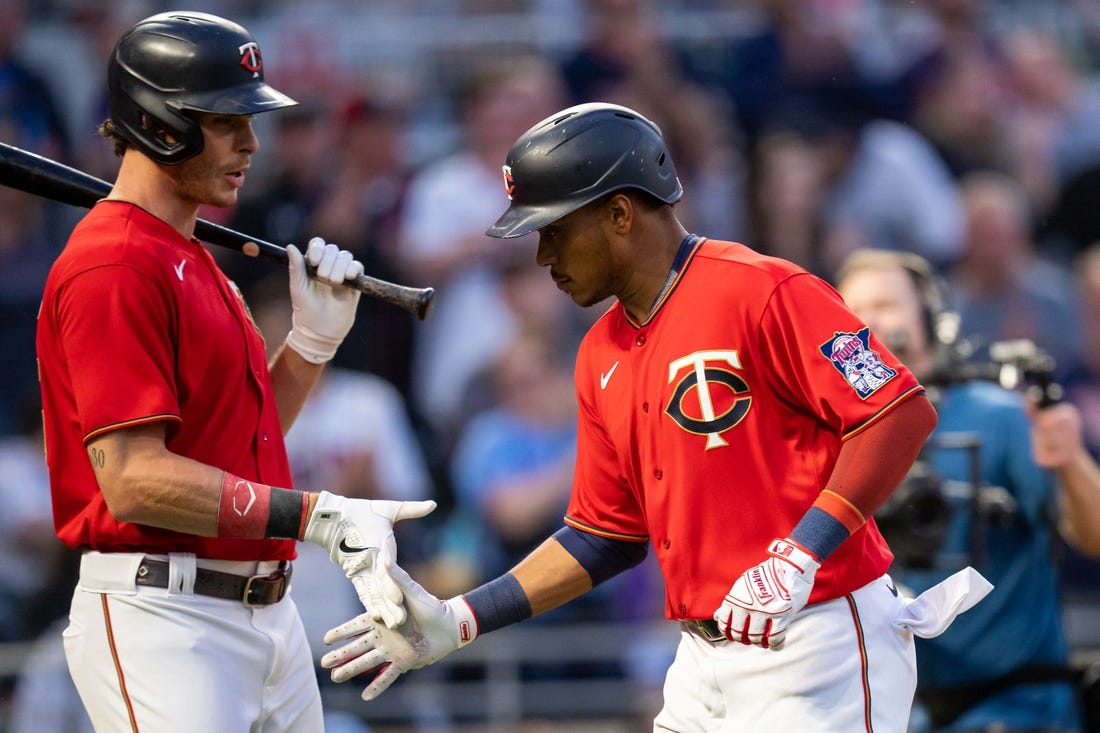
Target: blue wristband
[819,532]
[498,603]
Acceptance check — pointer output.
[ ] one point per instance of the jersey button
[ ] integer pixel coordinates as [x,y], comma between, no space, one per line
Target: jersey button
[645,407]
[667,543]
[683,610]
[640,341]
[265,437]
[658,474]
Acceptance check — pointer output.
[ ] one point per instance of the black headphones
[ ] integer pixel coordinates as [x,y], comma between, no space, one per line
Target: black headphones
[941,324]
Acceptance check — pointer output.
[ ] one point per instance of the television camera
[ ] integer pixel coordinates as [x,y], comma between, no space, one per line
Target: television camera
[915,518]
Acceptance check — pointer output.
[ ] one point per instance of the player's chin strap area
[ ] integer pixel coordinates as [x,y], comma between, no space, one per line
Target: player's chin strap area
[929,614]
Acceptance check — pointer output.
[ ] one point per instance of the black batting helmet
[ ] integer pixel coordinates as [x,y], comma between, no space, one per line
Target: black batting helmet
[577,155]
[179,62]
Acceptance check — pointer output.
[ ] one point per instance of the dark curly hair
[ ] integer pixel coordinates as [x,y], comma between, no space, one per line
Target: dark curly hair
[110,133]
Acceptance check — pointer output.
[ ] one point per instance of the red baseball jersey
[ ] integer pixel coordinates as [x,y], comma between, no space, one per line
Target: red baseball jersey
[710,428]
[137,325]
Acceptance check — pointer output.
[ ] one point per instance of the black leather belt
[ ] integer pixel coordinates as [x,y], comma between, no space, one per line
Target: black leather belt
[708,629]
[255,590]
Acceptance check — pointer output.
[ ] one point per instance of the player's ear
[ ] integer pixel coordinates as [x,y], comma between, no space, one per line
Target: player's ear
[619,212]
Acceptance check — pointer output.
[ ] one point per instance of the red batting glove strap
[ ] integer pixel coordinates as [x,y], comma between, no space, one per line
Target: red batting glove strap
[790,551]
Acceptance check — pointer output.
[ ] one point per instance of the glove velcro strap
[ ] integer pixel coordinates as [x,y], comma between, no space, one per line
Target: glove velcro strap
[312,346]
[464,619]
[327,512]
[790,551]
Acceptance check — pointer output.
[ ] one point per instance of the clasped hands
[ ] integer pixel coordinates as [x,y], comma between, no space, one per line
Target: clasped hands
[431,630]
[757,611]
[358,535]
[404,627]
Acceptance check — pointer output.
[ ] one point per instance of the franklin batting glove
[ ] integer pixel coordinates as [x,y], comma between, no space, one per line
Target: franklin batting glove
[324,310]
[358,534]
[433,630]
[760,606]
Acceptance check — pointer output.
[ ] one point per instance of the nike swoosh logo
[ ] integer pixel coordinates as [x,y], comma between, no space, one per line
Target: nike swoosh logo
[179,269]
[605,378]
[345,547]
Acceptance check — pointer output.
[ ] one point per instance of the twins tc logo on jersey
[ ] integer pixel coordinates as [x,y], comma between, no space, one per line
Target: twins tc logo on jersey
[710,397]
[861,365]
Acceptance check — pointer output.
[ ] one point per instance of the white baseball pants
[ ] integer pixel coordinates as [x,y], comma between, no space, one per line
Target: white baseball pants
[845,667]
[160,660]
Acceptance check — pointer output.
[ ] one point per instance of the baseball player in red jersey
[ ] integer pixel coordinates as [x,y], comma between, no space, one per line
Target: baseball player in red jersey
[735,416]
[164,421]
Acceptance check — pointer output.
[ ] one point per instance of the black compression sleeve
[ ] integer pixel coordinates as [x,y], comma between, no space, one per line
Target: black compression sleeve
[602,557]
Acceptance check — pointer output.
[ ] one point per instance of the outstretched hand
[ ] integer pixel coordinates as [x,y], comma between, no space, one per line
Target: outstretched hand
[433,629]
[358,535]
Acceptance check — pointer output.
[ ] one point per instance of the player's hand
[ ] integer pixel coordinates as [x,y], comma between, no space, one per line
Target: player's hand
[433,630]
[759,607]
[324,310]
[358,534]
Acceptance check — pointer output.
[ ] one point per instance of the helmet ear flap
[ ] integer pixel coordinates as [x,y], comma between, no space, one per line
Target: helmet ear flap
[168,139]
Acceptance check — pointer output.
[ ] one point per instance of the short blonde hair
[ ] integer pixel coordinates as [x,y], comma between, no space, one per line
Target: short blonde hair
[920,271]
[882,259]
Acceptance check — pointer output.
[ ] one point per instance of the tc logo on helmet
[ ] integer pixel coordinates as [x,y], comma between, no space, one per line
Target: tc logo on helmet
[250,58]
[509,182]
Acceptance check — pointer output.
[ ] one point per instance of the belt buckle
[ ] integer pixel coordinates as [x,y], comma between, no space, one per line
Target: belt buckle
[708,629]
[280,576]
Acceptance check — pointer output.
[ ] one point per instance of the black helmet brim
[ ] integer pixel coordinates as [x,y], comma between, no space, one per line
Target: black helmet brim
[518,220]
[246,99]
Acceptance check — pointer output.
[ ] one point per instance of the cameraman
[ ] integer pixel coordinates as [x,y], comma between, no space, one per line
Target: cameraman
[1058,444]
[1003,666]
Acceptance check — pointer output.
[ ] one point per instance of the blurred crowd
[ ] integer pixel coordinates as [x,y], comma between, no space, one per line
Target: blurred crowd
[961,130]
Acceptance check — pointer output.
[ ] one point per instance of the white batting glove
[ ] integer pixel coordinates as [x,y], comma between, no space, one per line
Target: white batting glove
[358,534]
[759,607]
[433,630]
[324,310]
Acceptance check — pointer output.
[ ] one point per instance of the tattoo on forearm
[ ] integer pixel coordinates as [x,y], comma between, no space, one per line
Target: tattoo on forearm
[98,457]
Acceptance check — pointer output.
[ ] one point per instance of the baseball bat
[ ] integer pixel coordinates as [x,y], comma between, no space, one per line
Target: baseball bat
[34,174]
